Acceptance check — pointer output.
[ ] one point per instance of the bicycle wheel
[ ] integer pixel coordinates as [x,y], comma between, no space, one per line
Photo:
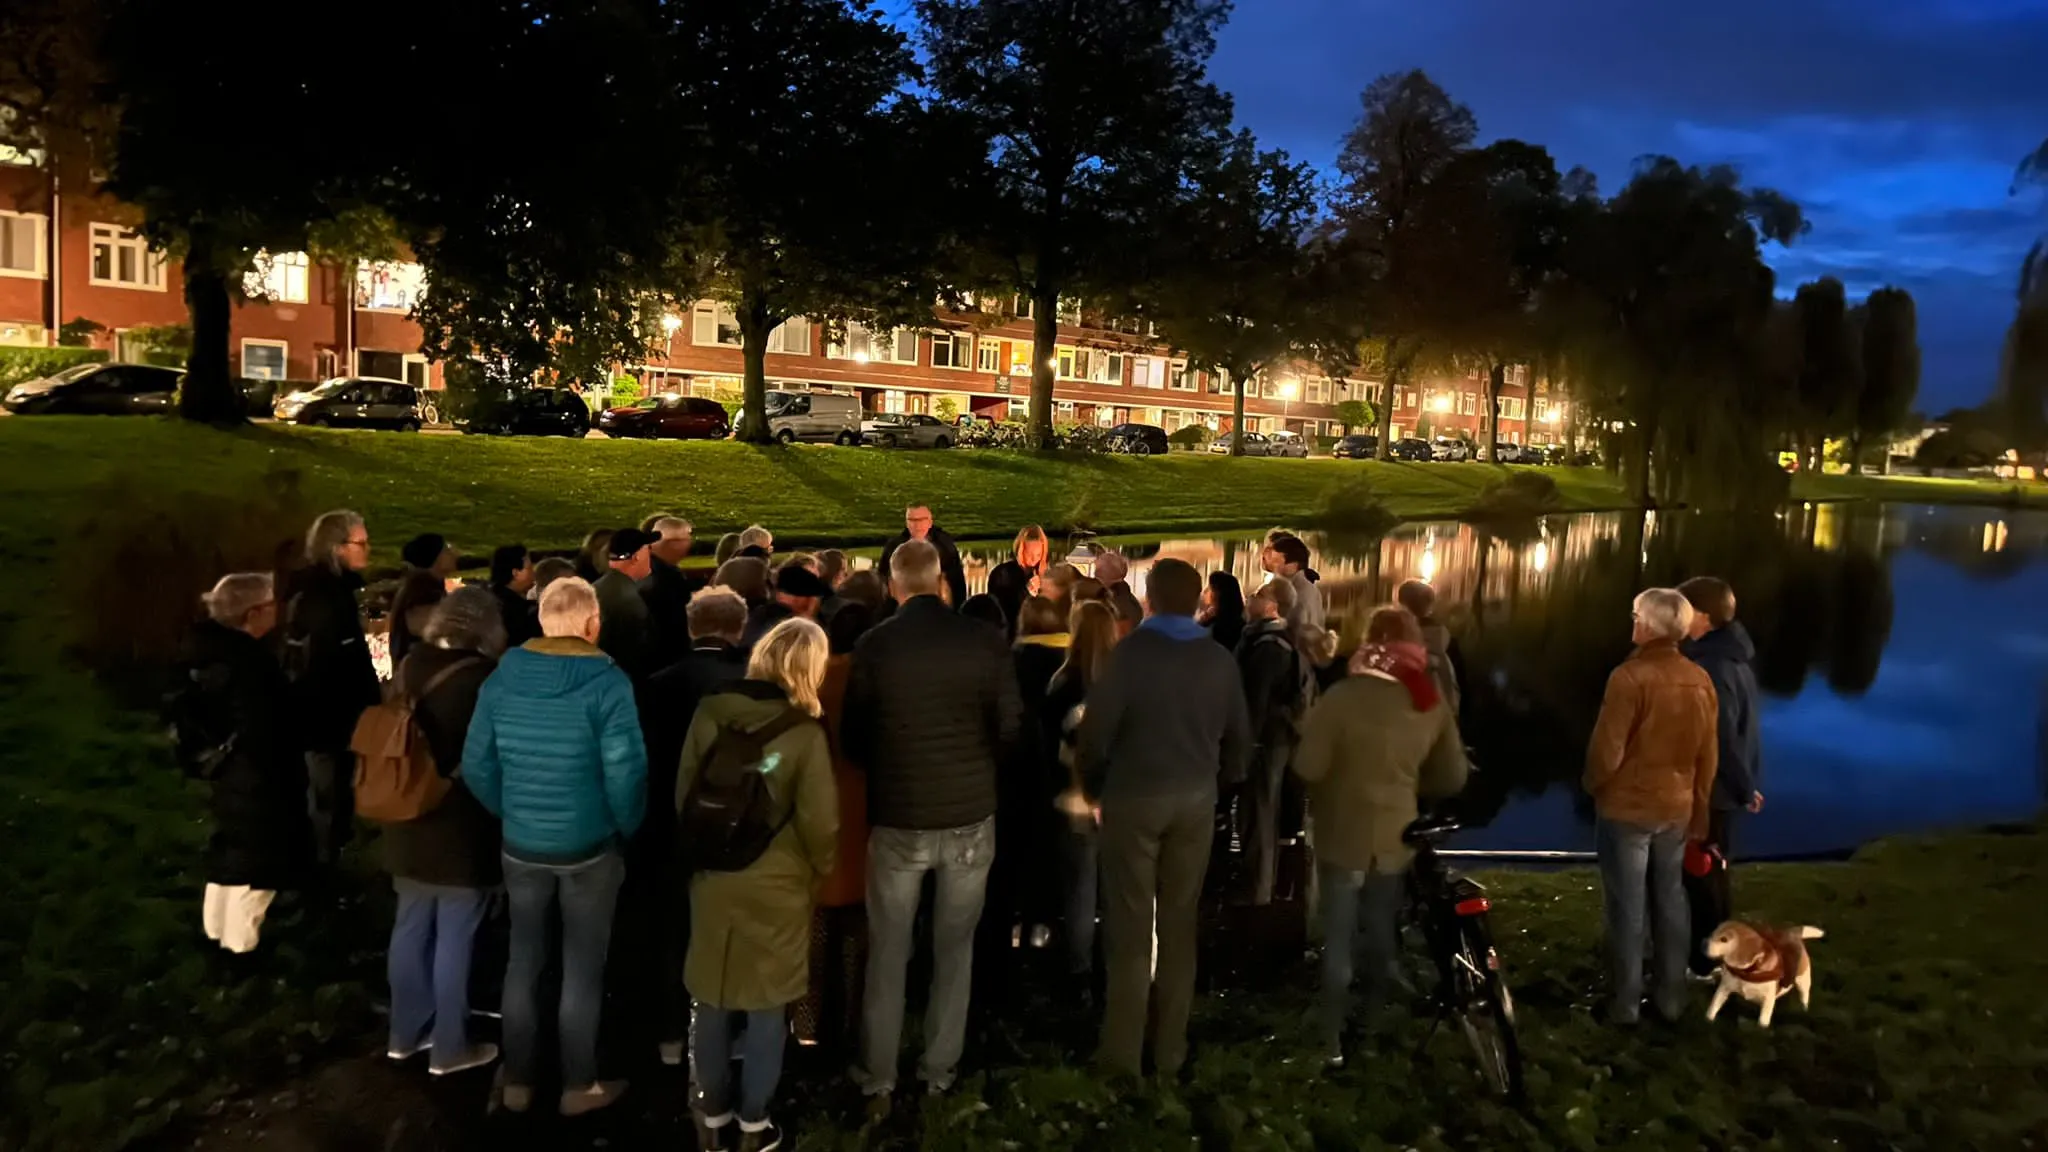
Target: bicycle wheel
[1486,1013]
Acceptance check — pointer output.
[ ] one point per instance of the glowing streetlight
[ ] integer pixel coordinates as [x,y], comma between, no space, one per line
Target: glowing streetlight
[670,322]
[1440,404]
[1553,416]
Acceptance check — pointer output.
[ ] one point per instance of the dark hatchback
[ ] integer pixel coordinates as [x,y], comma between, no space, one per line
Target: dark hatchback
[1139,440]
[532,412]
[98,390]
[668,418]
[355,402]
[1413,449]
[1356,448]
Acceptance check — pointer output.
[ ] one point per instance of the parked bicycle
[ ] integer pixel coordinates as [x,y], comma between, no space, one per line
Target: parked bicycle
[1451,911]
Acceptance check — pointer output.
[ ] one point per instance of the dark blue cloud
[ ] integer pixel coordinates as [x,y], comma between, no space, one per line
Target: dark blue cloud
[1896,123]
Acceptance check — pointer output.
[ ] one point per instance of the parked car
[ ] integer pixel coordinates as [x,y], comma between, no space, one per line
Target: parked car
[355,402]
[98,390]
[1411,448]
[825,417]
[1139,440]
[532,412]
[1287,444]
[1449,448]
[1555,455]
[1356,448]
[1506,453]
[1255,444]
[667,418]
[911,430]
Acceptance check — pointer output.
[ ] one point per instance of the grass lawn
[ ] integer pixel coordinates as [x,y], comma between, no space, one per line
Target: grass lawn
[114,1021]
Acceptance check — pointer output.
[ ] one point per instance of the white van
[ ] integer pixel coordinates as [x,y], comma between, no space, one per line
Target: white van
[823,417]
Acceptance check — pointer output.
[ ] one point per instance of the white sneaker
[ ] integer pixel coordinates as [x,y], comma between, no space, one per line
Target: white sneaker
[399,1055]
[477,1056]
[672,1053]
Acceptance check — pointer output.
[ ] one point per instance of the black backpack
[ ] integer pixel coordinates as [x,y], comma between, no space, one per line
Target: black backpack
[201,736]
[729,819]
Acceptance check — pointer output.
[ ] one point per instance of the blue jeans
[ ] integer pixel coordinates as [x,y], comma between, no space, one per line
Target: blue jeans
[760,1047]
[1639,865]
[428,964]
[897,861]
[1081,857]
[586,893]
[1361,913]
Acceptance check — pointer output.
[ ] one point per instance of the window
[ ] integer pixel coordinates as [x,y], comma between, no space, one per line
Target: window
[952,350]
[281,279]
[1020,307]
[263,359]
[1064,361]
[864,345]
[988,356]
[1181,377]
[21,244]
[121,259]
[1069,311]
[1148,372]
[792,337]
[1511,407]
[415,370]
[389,287]
[1468,404]
[1020,358]
[1318,390]
[712,323]
[1103,367]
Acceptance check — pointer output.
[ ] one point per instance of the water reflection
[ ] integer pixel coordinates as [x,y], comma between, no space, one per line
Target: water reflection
[1903,652]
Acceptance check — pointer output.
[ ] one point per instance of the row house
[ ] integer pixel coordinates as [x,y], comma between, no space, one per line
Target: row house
[76,259]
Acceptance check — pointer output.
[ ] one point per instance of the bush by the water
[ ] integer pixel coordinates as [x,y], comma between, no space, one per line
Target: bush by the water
[1190,436]
[1519,494]
[1351,505]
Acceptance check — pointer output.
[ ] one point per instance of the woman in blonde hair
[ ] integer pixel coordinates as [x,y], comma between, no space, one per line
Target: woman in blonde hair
[750,928]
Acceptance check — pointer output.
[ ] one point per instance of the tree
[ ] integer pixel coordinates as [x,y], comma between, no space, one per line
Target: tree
[1891,370]
[1232,294]
[2023,362]
[792,89]
[1830,373]
[1094,115]
[1352,413]
[1408,133]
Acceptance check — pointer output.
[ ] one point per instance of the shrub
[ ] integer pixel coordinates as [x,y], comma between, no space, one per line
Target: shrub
[1518,494]
[625,390]
[1351,505]
[1190,436]
[19,364]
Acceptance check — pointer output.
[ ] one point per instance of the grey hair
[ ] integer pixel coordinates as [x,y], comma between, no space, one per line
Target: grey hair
[468,618]
[238,594]
[328,534]
[914,568]
[1666,612]
[754,535]
[719,612]
[568,607]
[671,528]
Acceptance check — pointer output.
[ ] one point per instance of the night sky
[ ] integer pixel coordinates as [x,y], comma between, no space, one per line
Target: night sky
[1895,123]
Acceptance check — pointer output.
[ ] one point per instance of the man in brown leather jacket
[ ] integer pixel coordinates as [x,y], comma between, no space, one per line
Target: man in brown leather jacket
[1650,770]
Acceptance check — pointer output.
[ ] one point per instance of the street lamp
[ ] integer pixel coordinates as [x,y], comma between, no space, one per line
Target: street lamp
[1441,403]
[1288,388]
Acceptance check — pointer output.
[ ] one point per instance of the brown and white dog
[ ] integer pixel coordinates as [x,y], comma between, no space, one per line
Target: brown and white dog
[1761,962]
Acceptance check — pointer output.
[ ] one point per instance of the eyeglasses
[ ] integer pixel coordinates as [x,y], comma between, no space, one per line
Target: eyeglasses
[354,542]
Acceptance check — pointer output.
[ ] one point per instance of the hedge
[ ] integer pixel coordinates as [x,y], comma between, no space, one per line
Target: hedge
[19,364]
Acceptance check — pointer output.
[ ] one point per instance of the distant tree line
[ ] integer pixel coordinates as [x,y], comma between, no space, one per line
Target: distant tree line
[570,172]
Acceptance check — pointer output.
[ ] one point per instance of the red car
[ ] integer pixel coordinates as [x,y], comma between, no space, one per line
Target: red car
[668,418]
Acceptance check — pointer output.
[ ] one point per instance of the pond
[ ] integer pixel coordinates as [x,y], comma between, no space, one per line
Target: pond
[1903,653]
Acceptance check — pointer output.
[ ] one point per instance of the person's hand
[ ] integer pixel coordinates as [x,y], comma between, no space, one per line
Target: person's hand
[1756,801]
[1031,589]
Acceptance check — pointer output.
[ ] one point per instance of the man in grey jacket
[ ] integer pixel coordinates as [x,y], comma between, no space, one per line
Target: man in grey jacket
[1164,725]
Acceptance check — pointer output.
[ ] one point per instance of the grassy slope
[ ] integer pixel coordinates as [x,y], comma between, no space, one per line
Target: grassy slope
[110,1019]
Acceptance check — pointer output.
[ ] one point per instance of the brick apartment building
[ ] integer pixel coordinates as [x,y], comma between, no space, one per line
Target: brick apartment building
[70,256]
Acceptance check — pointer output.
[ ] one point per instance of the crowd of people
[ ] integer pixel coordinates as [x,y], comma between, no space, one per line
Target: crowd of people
[712,804]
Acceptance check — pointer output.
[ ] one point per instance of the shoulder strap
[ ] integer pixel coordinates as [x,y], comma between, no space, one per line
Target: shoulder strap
[776,727]
[441,677]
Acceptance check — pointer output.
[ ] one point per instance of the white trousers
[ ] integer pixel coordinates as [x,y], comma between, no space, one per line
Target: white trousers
[234,915]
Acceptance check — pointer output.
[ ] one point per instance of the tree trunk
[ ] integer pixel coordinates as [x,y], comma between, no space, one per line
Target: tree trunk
[755,324]
[1237,412]
[1856,453]
[1390,391]
[1645,436]
[1045,336]
[1885,467]
[1489,426]
[208,396]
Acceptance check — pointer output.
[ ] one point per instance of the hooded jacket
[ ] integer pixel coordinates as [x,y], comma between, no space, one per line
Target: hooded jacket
[1729,658]
[555,752]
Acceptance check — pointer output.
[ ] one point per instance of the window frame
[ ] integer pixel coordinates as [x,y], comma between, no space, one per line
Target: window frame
[117,238]
[714,311]
[40,246]
[364,297]
[778,337]
[269,278]
[842,349]
[953,342]
[284,349]
[988,356]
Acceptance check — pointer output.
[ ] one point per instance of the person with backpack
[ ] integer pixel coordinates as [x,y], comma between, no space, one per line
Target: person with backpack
[758,816]
[230,723]
[1279,685]
[555,752]
[443,862]
[333,678]
[1381,739]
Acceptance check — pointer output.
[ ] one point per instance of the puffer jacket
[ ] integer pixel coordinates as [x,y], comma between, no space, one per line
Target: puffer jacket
[555,752]
[932,710]
[750,930]
[1655,745]
[328,660]
[261,834]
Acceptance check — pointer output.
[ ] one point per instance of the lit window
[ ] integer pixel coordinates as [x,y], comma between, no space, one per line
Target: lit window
[21,244]
[1066,358]
[1104,367]
[952,350]
[281,279]
[1148,372]
[866,345]
[714,324]
[988,356]
[121,258]
[792,337]
[389,286]
[1181,377]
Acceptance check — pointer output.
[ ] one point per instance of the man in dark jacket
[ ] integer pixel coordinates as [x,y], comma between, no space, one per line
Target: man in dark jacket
[332,677]
[232,719]
[1276,689]
[798,593]
[931,710]
[628,635]
[1165,725]
[667,590]
[511,581]
[657,927]
[1721,646]
[917,525]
